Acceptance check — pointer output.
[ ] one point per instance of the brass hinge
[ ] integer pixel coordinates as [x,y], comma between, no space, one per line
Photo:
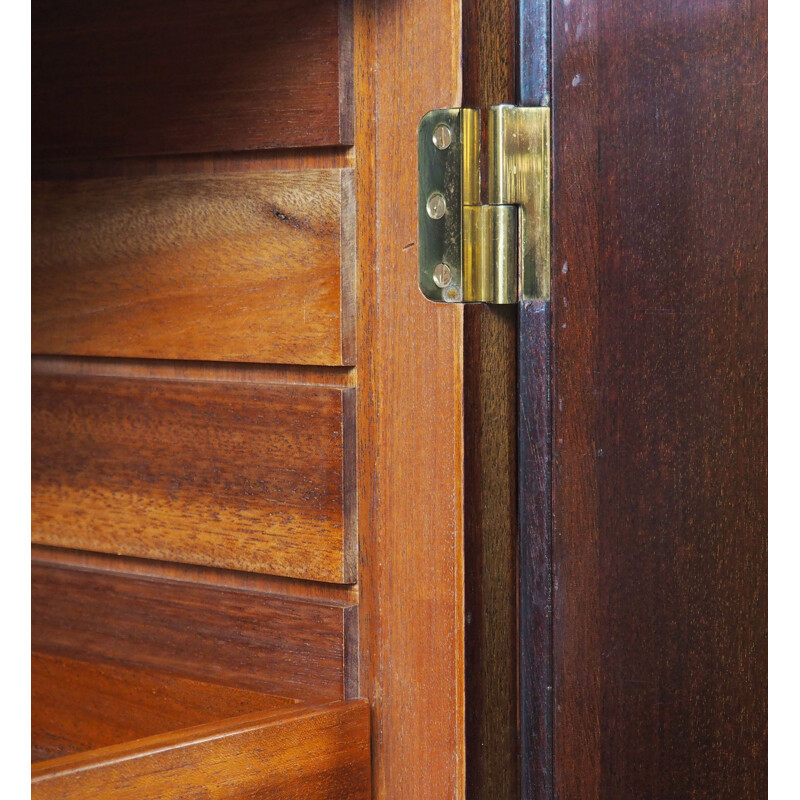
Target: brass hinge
[473,253]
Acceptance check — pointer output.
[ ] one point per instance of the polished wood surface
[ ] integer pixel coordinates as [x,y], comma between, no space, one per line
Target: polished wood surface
[410,416]
[145,77]
[659,399]
[282,645]
[305,753]
[535,605]
[80,705]
[222,474]
[339,593]
[407,635]
[490,390]
[237,267]
[535,601]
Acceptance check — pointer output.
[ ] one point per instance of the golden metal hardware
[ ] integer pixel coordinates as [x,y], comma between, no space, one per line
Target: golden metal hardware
[496,253]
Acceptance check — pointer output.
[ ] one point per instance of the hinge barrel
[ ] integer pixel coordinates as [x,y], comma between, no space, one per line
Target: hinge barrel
[489,253]
[519,174]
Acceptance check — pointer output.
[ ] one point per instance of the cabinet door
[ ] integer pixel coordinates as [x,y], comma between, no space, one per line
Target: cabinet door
[643,406]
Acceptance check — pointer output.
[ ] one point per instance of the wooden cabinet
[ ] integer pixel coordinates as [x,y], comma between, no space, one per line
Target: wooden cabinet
[247,470]
[299,532]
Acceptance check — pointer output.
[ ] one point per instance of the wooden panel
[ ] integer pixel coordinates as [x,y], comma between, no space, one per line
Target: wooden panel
[219,268]
[535,597]
[317,753]
[247,639]
[410,384]
[78,705]
[659,399]
[490,428]
[148,77]
[534,67]
[535,553]
[229,475]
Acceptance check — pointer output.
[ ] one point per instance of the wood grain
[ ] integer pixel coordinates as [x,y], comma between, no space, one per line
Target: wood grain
[535,553]
[243,161]
[659,399]
[236,267]
[80,705]
[490,427]
[146,78]
[317,753]
[341,593]
[535,568]
[534,65]
[285,646]
[229,372]
[221,474]
[410,421]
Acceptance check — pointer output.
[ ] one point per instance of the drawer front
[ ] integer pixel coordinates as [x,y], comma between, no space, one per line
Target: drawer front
[235,267]
[144,77]
[251,477]
[256,640]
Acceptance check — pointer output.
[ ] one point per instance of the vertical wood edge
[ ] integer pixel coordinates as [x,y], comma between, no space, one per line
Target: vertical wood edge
[535,553]
[364,63]
[347,270]
[535,604]
[349,487]
[346,73]
[534,48]
[490,442]
[352,682]
[410,388]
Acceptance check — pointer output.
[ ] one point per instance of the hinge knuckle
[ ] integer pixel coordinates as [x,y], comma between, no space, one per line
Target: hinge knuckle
[495,253]
[489,253]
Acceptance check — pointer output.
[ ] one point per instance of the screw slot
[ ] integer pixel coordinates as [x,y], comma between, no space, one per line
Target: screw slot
[442,136]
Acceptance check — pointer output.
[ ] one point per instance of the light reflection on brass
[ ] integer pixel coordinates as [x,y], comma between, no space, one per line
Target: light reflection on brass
[496,253]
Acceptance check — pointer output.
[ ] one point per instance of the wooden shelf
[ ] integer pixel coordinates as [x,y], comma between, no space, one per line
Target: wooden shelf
[111,731]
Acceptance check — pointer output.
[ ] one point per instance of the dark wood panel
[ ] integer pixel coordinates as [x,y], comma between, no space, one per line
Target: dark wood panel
[80,705]
[535,553]
[659,399]
[232,267]
[534,52]
[148,77]
[535,479]
[317,753]
[250,477]
[490,479]
[286,646]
